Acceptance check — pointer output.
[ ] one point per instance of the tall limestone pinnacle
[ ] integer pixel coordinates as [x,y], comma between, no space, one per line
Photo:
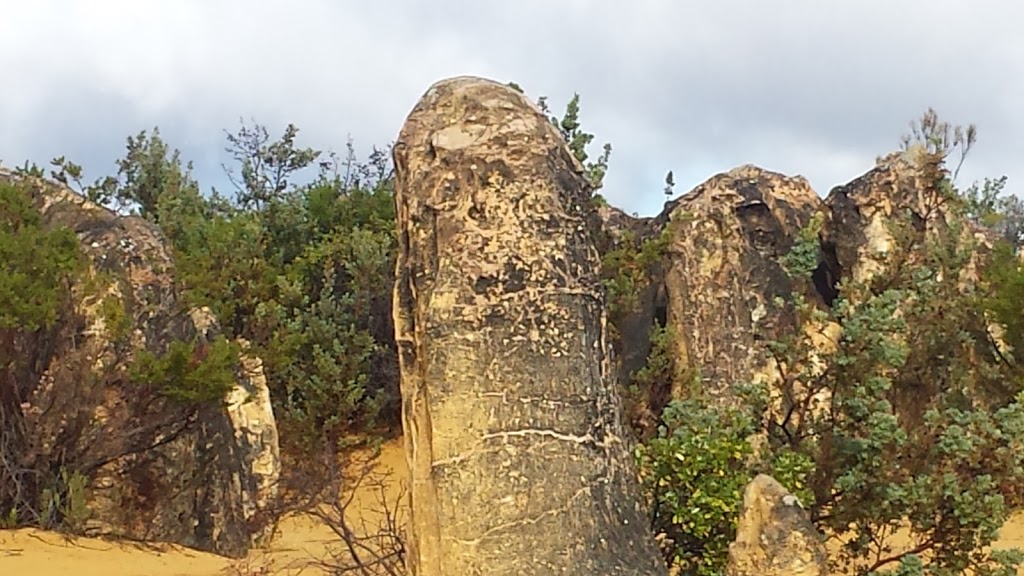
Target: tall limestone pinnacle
[512,422]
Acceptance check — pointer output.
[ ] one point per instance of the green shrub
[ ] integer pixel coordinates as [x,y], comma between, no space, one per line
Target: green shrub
[189,372]
[628,268]
[115,317]
[37,263]
[64,505]
[693,475]
[920,432]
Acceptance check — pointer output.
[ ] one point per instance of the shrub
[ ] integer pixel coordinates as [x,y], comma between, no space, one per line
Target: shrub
[189,372]
[693,473]
[38,264]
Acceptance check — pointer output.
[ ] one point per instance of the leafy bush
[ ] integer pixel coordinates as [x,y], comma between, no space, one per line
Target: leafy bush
[694,471]
[693,476]
[920,434]
[193,372]
[38,263]
[302,271]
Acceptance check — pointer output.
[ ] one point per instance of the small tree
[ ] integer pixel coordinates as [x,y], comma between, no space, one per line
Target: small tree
[920,435]
[570,128]
[266,167]
[151,174]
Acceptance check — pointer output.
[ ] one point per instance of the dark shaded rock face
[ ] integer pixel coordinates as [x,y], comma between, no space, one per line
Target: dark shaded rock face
[724,270]
[615,228]
[156,470]
[512,421]
[774,535]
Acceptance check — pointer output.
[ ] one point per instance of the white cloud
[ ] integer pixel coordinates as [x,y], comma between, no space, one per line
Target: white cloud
[801,86]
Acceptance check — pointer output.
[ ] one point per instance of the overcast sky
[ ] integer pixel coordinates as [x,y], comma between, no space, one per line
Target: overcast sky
[799,86]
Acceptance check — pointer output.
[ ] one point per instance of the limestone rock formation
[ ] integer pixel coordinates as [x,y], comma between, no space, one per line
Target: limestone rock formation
[862,209]
[254,445]
[901,184]
[725,271]
[517,455]
[252,419]
[154,470]
[774,535]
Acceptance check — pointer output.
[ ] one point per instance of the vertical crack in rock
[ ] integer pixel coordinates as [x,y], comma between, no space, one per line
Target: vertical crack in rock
[512,423]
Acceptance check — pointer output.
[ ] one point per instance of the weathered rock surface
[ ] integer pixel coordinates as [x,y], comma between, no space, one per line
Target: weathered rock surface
[252,419]
[902,185]
[512,422]
[725,271]
[774,535]
[863,209]
[155,470]
[252,450]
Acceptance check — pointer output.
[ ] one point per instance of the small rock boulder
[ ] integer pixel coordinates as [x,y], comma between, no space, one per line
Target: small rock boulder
[774,536]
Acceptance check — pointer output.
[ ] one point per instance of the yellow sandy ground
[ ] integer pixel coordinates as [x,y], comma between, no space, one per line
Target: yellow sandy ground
[37,553]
